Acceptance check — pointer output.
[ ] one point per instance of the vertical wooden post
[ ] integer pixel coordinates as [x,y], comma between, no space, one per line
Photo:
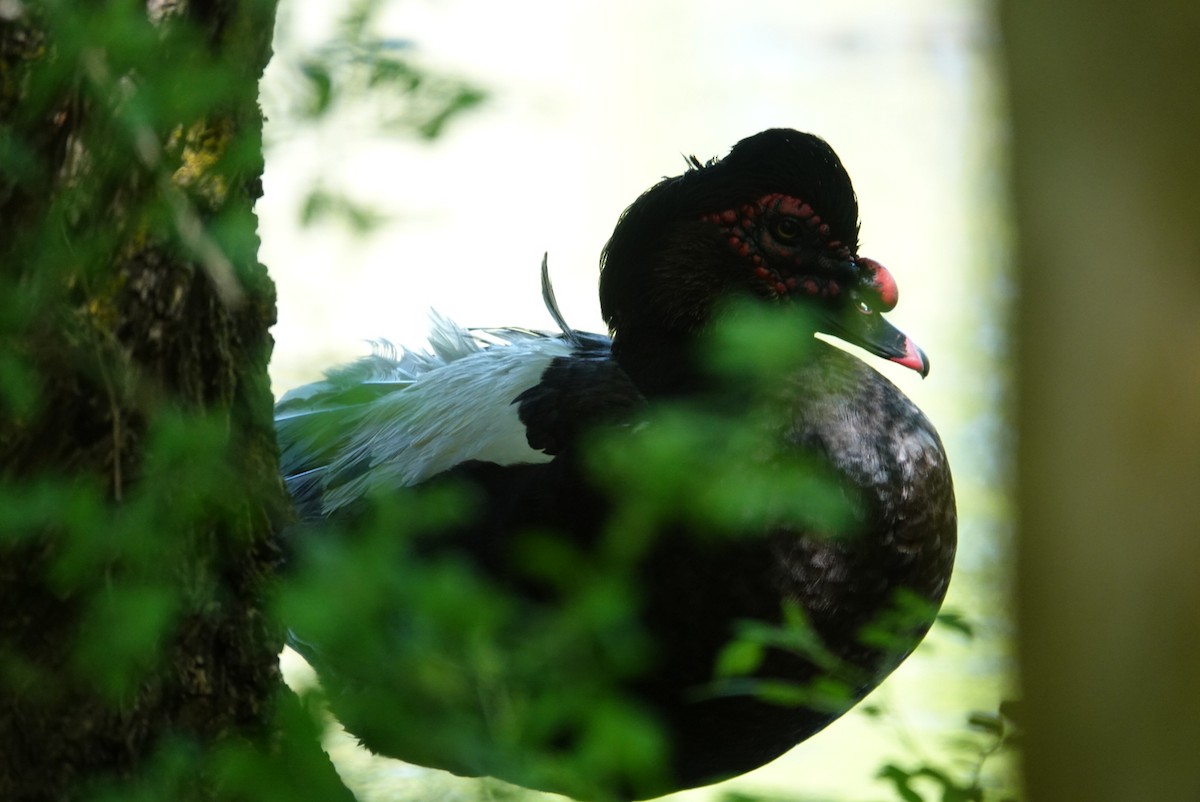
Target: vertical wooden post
[1106,121]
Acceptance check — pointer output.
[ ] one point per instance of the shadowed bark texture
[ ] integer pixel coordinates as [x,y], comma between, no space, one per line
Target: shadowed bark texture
[137,452]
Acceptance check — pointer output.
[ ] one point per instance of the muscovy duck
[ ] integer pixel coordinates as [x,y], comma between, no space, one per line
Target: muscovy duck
[508,412]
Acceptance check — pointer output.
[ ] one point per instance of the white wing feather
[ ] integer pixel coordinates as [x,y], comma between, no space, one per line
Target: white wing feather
[429,411]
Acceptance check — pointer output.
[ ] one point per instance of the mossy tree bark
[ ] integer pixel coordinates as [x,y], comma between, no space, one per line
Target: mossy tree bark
[140,485]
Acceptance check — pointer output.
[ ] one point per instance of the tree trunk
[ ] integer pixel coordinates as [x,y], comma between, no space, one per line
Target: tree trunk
[1106,110]
[140,489]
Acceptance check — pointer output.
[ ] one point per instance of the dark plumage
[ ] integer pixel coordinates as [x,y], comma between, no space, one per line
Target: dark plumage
[776,221]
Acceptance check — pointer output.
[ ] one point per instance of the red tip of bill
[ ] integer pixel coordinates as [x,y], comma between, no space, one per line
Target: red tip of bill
[913,358]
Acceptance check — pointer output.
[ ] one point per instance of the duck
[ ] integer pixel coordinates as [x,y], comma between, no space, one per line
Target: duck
[511,417]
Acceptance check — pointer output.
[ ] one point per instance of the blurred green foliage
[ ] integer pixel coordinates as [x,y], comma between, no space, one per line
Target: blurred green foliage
[123,564]
[136,489]
[360,79]
[493,678]
[358,67]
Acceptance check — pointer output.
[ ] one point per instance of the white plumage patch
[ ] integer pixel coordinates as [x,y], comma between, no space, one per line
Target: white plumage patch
[397,418]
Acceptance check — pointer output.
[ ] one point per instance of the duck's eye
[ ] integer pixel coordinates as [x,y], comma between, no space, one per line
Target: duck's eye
[865,307]
[786,229]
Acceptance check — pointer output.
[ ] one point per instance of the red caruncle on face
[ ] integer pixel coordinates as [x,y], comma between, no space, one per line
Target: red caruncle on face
[780,235]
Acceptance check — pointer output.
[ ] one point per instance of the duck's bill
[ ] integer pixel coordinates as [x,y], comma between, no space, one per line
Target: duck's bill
[871,332]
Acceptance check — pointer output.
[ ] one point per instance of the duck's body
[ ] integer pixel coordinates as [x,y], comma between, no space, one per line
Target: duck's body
[506,413]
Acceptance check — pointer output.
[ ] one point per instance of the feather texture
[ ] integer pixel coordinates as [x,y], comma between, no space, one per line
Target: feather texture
[508,412]
[398,417]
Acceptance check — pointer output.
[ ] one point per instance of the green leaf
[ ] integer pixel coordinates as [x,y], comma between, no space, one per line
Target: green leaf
[901,781]
[956,621]
[739,658]
[122,634]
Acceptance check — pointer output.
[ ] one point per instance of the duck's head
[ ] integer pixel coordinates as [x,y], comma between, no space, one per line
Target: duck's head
[777,220]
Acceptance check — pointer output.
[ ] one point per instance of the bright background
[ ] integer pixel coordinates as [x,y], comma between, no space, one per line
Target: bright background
[589,104]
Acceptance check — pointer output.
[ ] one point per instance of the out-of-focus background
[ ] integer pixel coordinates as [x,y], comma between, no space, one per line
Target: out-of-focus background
[588,104]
